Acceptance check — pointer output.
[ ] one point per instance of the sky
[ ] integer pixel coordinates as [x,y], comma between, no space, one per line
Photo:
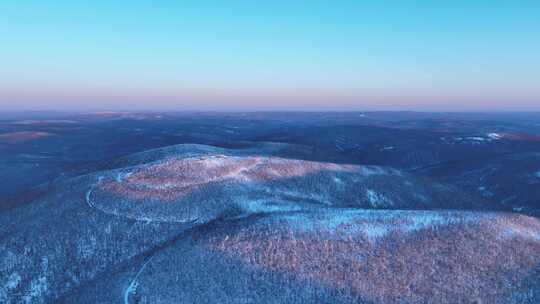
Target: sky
[341,55]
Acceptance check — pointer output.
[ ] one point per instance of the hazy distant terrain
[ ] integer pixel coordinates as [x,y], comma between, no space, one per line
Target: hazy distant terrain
[371,207]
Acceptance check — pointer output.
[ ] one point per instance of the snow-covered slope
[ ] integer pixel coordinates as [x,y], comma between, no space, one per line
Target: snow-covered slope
[153,226]
[202,183]
[340,256]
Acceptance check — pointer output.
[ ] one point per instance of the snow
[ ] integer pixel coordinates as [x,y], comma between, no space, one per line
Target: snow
[329,221]
[46,121]
[133,284]
[337,180]
[377,199]
[120,176]
[376,224]
[485,191]
[38,287]
[88,200]
[89,192]
[421,197]
[494,136]
[476,138]
[425,220]
[516,231]
[263,205]
[428,219]
[374,231]
[13,281]
[372,196]
[372,170]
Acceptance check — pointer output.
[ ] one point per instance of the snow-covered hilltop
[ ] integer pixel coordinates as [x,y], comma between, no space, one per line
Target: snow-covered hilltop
[258,224]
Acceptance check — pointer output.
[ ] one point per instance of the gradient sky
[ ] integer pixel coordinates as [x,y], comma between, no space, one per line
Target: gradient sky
[455,55]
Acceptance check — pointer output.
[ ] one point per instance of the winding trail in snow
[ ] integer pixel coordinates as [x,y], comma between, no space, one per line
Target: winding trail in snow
[91,204]
[132,287]
[88,201]
[89,193]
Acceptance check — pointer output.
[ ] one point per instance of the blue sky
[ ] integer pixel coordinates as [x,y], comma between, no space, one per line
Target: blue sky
[258,55]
